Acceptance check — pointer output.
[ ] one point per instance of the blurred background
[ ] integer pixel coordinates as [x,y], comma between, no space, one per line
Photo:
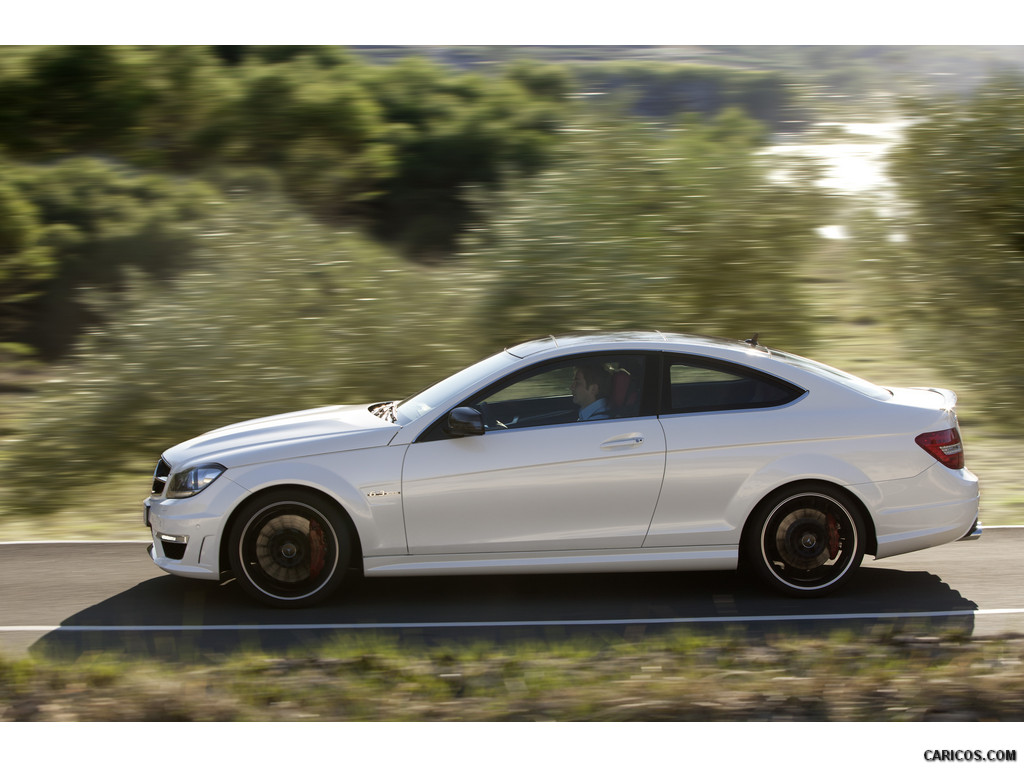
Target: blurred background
[192,236]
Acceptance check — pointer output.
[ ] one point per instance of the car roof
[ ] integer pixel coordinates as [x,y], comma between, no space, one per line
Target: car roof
[646,339]
[802,372]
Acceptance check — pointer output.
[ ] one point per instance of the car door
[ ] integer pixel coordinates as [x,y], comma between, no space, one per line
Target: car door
[723,424]
[538,479]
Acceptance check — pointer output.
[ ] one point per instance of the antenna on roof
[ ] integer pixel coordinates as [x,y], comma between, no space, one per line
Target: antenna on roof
[752,341]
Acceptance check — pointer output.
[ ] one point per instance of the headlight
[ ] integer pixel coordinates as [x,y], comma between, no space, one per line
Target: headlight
[191,481]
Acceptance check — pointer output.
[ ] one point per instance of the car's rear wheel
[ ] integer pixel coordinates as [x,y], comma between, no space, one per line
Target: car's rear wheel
[290,548]
[806,541]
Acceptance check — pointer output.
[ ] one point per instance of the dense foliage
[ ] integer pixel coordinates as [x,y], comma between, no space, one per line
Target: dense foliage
[394,145]
[404,150]
[79,222]
[677,230]
[962,271]
[662,89]
[220,234]
[272,311]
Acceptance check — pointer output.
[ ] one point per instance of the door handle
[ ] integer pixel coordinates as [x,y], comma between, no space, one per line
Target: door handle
[624,442]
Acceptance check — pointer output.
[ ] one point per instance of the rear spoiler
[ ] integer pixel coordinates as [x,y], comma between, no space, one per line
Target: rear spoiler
[948,395]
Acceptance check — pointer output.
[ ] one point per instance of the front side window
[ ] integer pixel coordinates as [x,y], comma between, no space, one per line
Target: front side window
[695,385]
[591,388]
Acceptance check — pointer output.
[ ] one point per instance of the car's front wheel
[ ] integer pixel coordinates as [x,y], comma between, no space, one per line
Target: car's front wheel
[806,541]
[290,548]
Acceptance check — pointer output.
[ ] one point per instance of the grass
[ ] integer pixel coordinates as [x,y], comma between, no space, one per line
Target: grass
[683,676]
[108,510]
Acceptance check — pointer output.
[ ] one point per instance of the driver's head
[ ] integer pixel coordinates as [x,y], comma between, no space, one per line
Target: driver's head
[590,382]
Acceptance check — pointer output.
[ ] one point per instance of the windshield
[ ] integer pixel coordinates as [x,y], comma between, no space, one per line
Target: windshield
[431,397]
[834,374]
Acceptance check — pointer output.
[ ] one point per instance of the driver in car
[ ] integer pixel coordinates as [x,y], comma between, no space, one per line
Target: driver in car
[589,387]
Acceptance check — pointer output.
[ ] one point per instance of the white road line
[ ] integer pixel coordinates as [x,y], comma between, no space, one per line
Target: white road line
[509,624]
[91,541]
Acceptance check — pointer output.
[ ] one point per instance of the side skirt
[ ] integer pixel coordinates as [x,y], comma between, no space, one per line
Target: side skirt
[588,561]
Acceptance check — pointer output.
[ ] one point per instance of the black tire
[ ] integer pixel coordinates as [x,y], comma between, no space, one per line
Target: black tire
[807,540]
[290,548]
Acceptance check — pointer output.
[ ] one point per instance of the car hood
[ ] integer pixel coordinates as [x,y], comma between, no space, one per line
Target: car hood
[285,436]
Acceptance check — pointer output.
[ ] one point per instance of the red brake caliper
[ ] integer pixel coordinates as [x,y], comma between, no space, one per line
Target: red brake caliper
[833,537]
[317,548]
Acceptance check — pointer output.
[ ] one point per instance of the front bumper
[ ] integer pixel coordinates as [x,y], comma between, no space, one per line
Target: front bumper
[187,533]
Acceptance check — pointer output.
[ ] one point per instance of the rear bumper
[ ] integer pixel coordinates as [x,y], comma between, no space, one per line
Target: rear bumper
[974,533]
[937,507]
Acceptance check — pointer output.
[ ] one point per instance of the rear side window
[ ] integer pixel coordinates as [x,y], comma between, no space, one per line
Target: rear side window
[695,385]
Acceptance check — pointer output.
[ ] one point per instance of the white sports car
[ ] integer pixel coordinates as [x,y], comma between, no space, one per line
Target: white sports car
[604,452]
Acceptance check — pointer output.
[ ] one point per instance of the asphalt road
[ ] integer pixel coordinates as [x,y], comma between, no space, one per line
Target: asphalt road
[71,598]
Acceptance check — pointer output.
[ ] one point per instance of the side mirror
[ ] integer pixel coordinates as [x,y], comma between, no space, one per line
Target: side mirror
[463,422]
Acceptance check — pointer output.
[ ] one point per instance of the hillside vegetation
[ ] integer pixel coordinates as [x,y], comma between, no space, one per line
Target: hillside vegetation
[192,236]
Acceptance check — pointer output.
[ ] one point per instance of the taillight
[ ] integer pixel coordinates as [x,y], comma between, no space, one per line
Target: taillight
[945,446]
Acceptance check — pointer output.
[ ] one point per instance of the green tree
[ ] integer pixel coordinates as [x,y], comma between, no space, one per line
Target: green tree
[61,100]
[82,223]
[961,170]
[451,132]
[25,263]
[660,89]
[636,228]
[182,129]
[394,146]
